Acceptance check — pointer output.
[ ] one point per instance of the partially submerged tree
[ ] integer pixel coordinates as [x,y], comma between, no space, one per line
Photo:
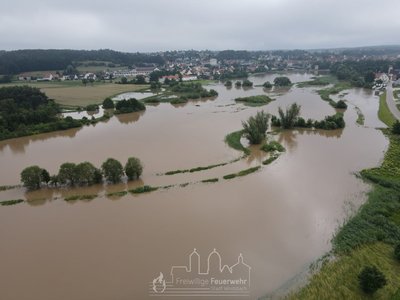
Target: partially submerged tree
[289,118]
[254,129]
[282,81]
[31,177]
[133,168]
[113,170]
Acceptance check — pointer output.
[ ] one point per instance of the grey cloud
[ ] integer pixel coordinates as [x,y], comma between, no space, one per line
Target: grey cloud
[153,25]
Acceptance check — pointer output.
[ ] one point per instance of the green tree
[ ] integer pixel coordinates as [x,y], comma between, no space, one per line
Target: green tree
[140,79]
[369,77]
[267,85]
[255,128]
[45,176]
[108,103]
[247,83]
[84,81]
[133,168]
[85,173]
[289,118]
[31,177]
[341,104]
[371,279]
[67,173]
[228,83]
[124,80]
[282,81]
[113,170]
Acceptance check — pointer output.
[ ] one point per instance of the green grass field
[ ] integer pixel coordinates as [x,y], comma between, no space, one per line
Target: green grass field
[338,279]
[384,113]
[74,93]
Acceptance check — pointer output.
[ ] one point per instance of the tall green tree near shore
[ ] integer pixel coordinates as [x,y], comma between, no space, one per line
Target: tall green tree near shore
[254,129]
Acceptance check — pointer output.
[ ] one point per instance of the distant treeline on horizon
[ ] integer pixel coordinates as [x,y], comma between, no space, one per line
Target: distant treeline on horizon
[28,60]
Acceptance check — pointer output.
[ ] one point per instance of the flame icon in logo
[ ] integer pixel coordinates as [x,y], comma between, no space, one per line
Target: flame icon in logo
[159,284]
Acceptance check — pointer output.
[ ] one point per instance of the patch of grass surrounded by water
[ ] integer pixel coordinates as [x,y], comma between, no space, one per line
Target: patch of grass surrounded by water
[143,189]
[258,100]
[211,180]
[233,141]
[11,202]
[336,89]
[272,147]
[242,173]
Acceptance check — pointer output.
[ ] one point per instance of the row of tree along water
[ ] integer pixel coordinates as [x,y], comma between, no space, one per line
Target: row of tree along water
[84,173]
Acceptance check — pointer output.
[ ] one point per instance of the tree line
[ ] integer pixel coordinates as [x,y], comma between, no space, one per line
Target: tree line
[18,61]
[85,173]
[26,110]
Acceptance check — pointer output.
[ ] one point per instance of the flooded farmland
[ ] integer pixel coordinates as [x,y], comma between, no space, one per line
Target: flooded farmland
[280,218]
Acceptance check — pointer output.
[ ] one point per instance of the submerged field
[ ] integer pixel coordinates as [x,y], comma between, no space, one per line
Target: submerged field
[281,216]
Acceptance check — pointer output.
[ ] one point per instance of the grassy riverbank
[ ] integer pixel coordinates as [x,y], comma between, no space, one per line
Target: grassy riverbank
[384,113]
[369,237]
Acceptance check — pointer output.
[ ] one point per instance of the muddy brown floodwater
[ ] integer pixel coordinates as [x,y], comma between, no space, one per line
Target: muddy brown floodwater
[280,218]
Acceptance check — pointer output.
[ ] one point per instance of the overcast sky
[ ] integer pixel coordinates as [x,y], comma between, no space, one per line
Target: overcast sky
[153,25]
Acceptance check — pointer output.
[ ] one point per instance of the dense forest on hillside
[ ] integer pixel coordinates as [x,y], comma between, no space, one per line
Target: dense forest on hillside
[26,110]
[14,62]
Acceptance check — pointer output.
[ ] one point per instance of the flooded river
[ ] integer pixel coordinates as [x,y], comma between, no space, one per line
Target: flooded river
[280,218]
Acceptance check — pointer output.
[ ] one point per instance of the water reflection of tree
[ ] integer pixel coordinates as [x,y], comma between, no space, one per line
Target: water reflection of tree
[129,118]
[44,195]
[288,139]
[18,145]
[256,154]
[337,133]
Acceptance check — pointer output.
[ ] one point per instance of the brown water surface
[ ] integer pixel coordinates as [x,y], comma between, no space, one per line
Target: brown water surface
[281,218]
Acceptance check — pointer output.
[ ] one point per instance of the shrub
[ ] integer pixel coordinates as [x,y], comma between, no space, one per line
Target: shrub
[371,279]
[238,83]
[396,127]
[133,168]
[255,127]
[273,146]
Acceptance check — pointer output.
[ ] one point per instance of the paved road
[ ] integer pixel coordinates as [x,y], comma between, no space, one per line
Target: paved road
[390,101]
